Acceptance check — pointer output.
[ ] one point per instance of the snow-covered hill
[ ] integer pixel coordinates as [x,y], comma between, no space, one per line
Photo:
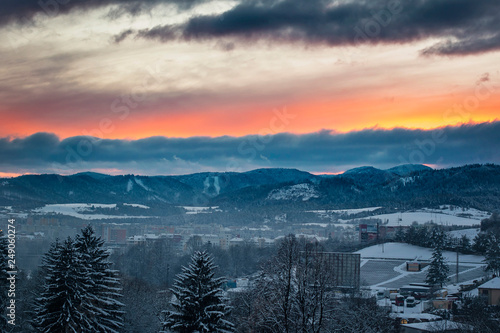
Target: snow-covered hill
[424,216]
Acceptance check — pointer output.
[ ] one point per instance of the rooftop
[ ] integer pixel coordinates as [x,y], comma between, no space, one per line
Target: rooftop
[491,284]
[437,326]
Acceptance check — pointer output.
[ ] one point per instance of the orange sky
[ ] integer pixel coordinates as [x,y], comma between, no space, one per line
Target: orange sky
[342,115]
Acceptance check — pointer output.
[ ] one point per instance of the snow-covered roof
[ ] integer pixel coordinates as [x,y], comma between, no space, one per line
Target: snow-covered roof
[412,252]
[263,239]
[491,284]
[136,238]
[151,236]
[436,326]
[426,316]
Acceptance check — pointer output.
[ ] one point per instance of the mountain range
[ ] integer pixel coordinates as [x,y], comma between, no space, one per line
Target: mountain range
[408,186]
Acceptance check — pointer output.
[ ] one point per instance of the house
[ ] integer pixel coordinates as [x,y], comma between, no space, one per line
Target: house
[491,291]
[236,241]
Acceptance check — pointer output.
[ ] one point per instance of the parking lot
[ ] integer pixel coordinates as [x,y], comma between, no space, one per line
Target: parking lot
[393,274]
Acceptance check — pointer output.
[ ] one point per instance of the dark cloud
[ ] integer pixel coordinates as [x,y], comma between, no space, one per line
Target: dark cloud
[121,36]
[23,11]
[315,152]
[465,26]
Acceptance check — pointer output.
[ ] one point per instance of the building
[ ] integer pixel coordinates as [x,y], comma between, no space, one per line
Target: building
[415,266]
[262,242]
[344,269]
[371,232]
[491,291]
[236,241]
[367,232]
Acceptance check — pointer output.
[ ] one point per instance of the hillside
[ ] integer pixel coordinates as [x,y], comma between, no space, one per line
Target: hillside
[476,186]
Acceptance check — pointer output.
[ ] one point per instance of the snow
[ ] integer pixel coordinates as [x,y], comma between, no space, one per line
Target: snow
[411,252]
[264,228]
[293,192]
[445,215]
[322,225]
[78,209]
[206,184]
[457,211]
[422,217]
[237,240]
[136,205]
[414,315]
[355,211]
[407,180]
[492,284]
[436,326]
[130,185]
[470,233]
[200,210]
[326,212]
[141,184]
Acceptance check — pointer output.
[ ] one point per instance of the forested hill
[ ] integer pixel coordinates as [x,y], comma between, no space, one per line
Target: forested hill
[410,186]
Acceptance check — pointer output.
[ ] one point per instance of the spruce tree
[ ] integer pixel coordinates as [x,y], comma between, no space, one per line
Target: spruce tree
[438,269]
[480,243]
[80,290]
[198,303]
[63,305]
[105,287]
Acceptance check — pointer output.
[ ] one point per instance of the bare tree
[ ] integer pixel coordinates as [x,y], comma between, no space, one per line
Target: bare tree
[291,293]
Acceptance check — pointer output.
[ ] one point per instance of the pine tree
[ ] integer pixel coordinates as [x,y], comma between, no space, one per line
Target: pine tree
[480,243]
[492,256]
[198,301]
[80,290]
[63,305]
[438,269]
[105,286]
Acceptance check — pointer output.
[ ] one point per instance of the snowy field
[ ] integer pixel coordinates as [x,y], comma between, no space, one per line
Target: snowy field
[78,210]
[421,217]
[200,210]
[446,215]
[344,211]
[470,233]
[459,211]
[136,205]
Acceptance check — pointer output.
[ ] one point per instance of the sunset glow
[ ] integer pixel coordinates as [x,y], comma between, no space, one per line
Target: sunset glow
[159,72]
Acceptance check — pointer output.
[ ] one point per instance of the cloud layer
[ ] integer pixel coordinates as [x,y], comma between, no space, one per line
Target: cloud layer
[23,11]
[322,151]
[464,27]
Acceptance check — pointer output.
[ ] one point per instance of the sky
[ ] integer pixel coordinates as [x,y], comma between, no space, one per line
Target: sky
[159,87]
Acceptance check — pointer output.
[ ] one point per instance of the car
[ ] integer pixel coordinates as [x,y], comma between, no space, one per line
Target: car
[411,302]
[400,300]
